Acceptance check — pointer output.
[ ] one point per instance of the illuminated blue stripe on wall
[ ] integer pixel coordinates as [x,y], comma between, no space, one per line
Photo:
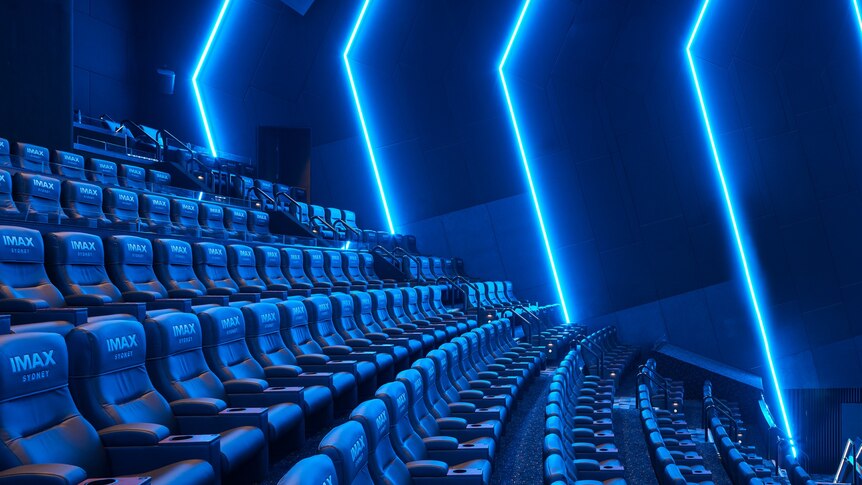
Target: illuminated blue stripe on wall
[736,232]
[526,162]
[362,116]
[197,73]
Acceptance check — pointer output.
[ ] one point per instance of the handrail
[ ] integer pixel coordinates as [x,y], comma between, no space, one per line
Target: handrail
[142,130]
[526,324]
[324,222]
[170,135]
[348,227]
[643,373]
[409,256]
[260,193]
[734,424]
[599,356]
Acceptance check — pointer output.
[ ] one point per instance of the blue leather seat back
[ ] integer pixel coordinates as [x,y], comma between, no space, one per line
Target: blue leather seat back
[172,264]
[395,305]
[40,422]
[211,216]
[37,194]
[69,165]
[129,260]
[82,201]
[263,335]
[241,186]
[332,266]
[411,303]
[410,268]
[242,266]
[268,261]
[292,267]
[175,361]
[440,359]
[379,308]
[314,469]
[350,267]
[320,323]
[76,263]
[406,442]
[184,213]
[108,376]
[224,346]
[425,268]
[5,158]
[22,268]
[102,171]
[210,261]
[294,328]
[347,447]
[7,204]
[158,180]
[313,263]
[422,420]
[156,211]
[236,221]
[133,177]
[344,316]
[121,206]
[366,266]
[350,218]
[437,267]
[383,463]
[423,300]
[299,211]
[32,157]
[362,304]
[264,186]
[258,223]
[428,372]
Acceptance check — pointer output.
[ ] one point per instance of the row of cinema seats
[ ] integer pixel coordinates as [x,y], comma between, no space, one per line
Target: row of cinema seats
[440,421]
[579,446]
[743,464]
[669,441]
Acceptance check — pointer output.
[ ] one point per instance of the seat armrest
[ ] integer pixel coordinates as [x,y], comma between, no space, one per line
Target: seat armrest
[202,406]
[210,300]
[282,371]
[451,423]
[461,407]
[75,316]
[358,342]
[280,295]
[217,291]
[427,468]
[22,305]
[587,465]
[299,292]
[87,300]
[250,289]
[488,375]
[376,337]
[334,350]
[249,297]
[180,304]
[182,293]
[137,310]
[393,331]
[245,386]
[138,296]
[44,474]
[311,359]
[480,384]
[407,326]
[133,434]
[440,443]
[471,394]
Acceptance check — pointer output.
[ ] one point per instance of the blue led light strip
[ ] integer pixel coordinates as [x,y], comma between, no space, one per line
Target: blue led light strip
[858,14]
[526,163]
[740,247]
[198,71]
[362,117]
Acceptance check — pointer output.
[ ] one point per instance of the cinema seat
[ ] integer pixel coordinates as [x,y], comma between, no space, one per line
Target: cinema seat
[236,223]
[436,456]
[314,469]
[5,159]
[132,177]
[332,266]
[103,172]
[31,157]
[269,268]
[46,440]
[323,331]
[184,217]
[312,261]
[350,267]
[464,377]
[423,300]
[395,307]
[344,318]
[68,165]
[297,337]
[317,216]
[258,226]
[441,408]
[347,448]
[411,311]
[178,369]
[155,212]
[263,335]
[121,209]
[382,316]
[109,383]
[366,267]
[210,263]
[484,405]
[211,220]
[158,181]
[292,266]
[242,267]
[82,204]
[383,464]
[8,209]
[37,197]
[228,356]
[375,332]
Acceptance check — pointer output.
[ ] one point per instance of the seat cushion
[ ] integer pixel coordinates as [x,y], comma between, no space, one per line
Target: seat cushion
[283,418]
[239,445]
[365,370]
[187,472]
[316,398]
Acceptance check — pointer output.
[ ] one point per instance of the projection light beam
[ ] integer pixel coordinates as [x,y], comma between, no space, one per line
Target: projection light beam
[526,161]
[739,245]
[362,116]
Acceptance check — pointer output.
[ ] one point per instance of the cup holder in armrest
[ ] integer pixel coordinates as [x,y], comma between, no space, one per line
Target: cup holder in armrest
[465,471]
[189,439]
[234,410]
[118,481]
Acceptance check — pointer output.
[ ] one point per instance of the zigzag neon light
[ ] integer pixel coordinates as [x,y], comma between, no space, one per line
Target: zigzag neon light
[198,71]
[739,245]
[362,117]
[526,162]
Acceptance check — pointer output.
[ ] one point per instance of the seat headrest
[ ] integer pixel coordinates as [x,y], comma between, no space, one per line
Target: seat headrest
[319,308]
[32,362]
[222,325]
[103,167]
[363,301]
[314,469]
[240,255]
[104,347]
[4,146]
[264,185]
[314,256]
[268,256]
[394,396]
[123,199]
[374,418]
[159,178]
[292,256]
[261,319]
[213,212]
[238,216]
[347,446]
[82,192]
[185,208]
[5,182]
[173,251]
[342,304]
[133,173]
[75,248]
[156,204]
[33,152]
[351,257]
[211,254]
[38,185]
[130,250]
[293,313]
[71,160]
[18,244]
[172,333]
[259,218]
[412,380]
[335,257]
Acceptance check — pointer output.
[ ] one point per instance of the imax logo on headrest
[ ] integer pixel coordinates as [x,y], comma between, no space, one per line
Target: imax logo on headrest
[315,257]
[294,257]
[401,400]
[160,202]
[230,322]
[19,241]
[136,248]
[83,245]
[107,167]
[297,311]
[187,207]
[357,450]
[245,253]
[88,190]
[126,197]
[3,144]
[31,362]
[184,330]
[36,151]
[324,307]
[216,210]
[327,480]
[380,420]
[71,158]
[268,317]
[2,177]
[215,251]
[178,249]
[44,184]
[125,342]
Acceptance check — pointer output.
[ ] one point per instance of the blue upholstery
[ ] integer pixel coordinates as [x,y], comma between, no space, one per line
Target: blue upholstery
[69,165]
[102,171]
[133,177]
[82,203]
